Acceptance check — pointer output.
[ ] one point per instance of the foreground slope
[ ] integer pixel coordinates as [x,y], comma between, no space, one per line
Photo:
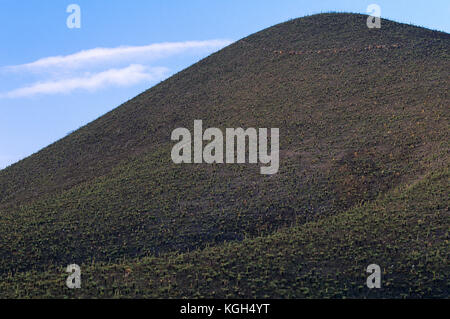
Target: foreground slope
[360,112]
[406,232]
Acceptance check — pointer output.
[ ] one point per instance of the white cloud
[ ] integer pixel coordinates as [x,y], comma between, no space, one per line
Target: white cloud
[101,67]
[130,75]
[123,53]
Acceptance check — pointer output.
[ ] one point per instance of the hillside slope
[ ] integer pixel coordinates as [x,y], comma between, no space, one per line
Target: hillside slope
[406,232]
[360,112]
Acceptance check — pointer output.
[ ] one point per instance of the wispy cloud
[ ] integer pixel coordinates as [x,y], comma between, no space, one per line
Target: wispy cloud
[130,75]
[102,67]
[107,55]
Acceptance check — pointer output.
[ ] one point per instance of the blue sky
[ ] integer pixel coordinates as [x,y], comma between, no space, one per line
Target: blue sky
[54,79]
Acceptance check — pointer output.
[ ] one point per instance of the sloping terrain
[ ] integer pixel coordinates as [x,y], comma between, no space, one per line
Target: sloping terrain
[406,232]
[362,113]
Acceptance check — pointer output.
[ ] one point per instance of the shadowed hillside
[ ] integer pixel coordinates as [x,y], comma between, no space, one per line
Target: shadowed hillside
[363,114]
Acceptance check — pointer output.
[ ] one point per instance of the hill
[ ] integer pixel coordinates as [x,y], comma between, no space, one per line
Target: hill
[363,119]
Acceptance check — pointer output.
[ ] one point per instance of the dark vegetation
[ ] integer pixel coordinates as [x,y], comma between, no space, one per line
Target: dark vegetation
[363,177]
